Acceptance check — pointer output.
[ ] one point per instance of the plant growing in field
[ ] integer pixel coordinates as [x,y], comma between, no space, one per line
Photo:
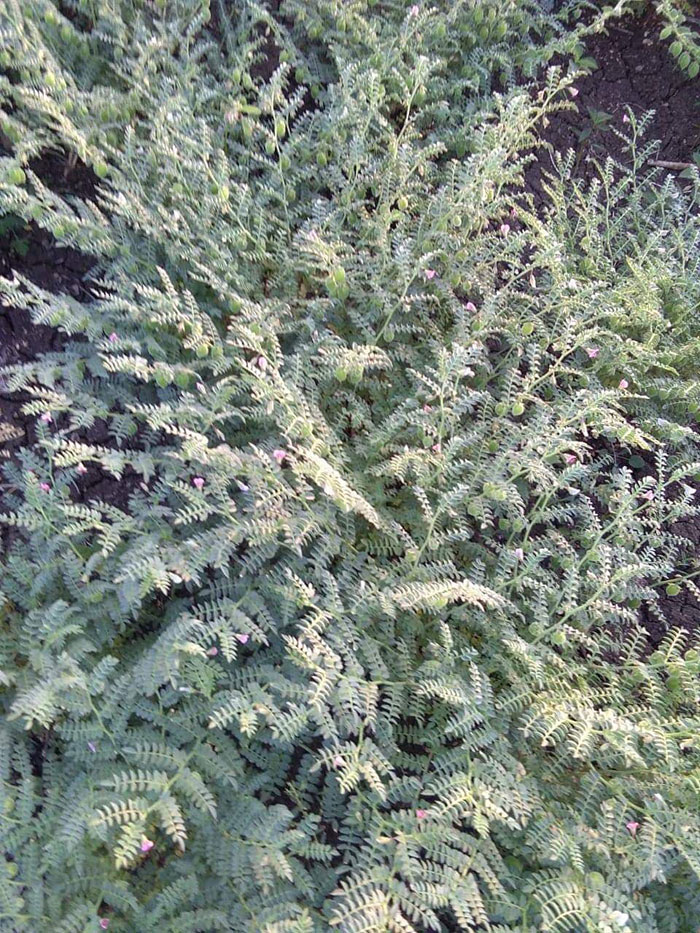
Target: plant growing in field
[402,460]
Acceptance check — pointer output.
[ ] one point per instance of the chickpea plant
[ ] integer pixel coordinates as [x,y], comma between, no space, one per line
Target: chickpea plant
[367,628]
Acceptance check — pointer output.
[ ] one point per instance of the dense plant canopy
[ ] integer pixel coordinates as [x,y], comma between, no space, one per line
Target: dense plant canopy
[392,456]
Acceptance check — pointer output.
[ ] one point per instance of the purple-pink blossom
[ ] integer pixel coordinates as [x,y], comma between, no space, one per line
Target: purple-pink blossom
[113,337]
[470,306]
[593,352]
[146,844]
[421,814]
[92,747]
[437,448]
[212,652]
[625,118]
[198,482]
[519,553]
[415,10]
[649,494]
[242,637]
[624,384]
[429,273]
[427,408]
[505,229]
[46,417]
[279,455]
[338,761]
[632,828]
[261,363]
[573,91]
[570,458]
[104,923]
[45,487]
[81,469]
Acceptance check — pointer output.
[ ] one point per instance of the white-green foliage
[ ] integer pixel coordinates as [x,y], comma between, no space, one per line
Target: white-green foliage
[383,670]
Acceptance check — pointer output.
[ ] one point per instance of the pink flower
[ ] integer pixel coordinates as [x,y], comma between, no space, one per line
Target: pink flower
[44,487]
[625,118]
[421,814]
[113,337]
[624,384]
[212,652]
[146,844]
[570,458]
[261,363]
[649,494]
[46,418]
[427,408]
[201,387]
[242,637]
[632,827]
[429,273]
[437,448]
[104,923]
[338,761]
[242,486]
[198,482]
[279,455]
[519,553]
[470,306]
[92,747]
[81,469]
[513,212]
[415,10]
[593,352]
[573,91]
[505,229]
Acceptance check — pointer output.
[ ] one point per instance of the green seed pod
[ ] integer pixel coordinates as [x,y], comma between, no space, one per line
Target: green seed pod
[389,333]
[501,409]
[673,589]
[162,378]
[440,602]
[202,350]
[50,18]
[16,176]
[517,409]
[182,379]
[321,159]
[285,162]
[402,203]
[270,146]
[527,328]
[280,128]
[474,509]
[101,169]
[341,373]
[559,638]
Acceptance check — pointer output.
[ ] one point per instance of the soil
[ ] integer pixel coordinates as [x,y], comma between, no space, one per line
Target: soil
[635,71]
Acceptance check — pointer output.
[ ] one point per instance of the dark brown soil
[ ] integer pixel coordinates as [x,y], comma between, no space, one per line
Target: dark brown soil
[635,71]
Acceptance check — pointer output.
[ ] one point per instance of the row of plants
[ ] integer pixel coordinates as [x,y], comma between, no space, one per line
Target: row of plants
[393,463]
